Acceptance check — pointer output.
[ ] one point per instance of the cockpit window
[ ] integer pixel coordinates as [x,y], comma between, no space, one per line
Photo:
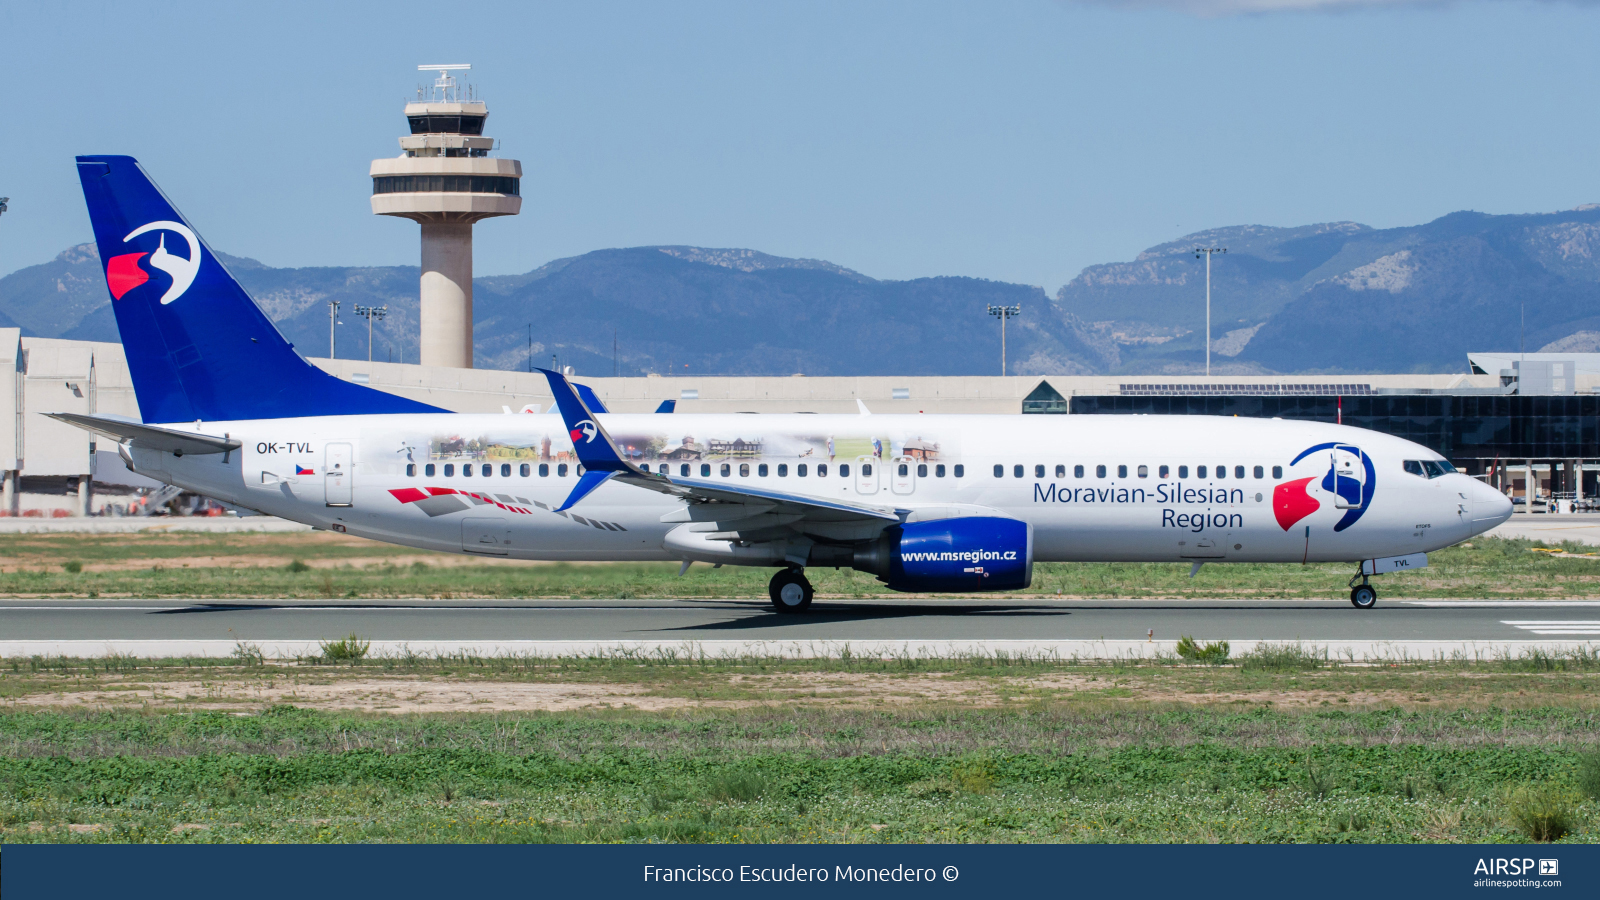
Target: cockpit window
[1429,468]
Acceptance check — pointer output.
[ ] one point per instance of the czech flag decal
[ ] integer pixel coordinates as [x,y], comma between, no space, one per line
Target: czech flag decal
[302,470]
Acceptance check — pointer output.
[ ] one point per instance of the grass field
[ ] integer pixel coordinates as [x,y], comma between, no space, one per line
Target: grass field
[312,565]
[1274,749]
[1275,746]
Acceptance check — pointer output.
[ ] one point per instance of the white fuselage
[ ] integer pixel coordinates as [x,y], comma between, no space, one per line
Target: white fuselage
[1142,512]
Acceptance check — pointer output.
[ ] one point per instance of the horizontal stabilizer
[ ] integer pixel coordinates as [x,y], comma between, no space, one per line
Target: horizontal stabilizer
[149,437]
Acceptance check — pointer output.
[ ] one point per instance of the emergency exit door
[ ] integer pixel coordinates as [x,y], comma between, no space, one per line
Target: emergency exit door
[336,474]
[904,475]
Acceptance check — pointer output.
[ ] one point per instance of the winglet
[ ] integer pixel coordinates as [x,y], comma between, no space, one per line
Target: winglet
[586,484]
[861,404]
[589,439]
[667,406]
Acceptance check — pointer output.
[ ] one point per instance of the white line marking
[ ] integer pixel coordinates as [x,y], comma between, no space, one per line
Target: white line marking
[1550,621]
[1494,603]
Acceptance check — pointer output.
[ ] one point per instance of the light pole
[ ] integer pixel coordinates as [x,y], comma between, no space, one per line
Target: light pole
[333,319]
[1003,313]
[1208,251]
[371,312]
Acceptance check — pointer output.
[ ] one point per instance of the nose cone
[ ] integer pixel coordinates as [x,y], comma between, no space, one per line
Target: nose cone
[1489,506]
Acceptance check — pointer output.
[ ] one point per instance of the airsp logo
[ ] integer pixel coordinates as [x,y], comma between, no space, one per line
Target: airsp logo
[584,431]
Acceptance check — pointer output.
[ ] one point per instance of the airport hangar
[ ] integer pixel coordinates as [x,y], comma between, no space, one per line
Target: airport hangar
[1493,423]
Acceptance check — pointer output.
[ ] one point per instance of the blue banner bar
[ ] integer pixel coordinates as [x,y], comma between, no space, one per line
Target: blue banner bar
[1189,872]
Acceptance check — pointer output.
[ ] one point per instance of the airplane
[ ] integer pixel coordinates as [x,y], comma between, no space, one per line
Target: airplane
[930,504]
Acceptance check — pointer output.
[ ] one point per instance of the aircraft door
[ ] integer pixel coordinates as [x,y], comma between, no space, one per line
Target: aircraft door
[867,474]
[1348,476]
[903,475]
[337,475]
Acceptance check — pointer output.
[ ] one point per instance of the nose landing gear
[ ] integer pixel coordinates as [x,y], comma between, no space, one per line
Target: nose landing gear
[790,591]
[1363,595]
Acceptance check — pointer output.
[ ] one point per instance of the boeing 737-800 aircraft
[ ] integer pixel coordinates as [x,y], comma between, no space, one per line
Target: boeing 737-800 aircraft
[929,503]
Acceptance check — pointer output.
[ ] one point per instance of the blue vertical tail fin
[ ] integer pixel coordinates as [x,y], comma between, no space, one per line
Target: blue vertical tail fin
[197,346]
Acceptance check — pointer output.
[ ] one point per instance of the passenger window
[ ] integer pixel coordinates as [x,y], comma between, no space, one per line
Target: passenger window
[705,470]
[866,470]
[762,470]
[999,471]
[922,470]
[1260,472]
[578,470]
[938,471]
[411,470]
[726,470]
[960,471]
[466,471]
[783,470]
[1122,471]
[844,470]
[1277,471]
[1144,471]
[1077,471]
[1238,471]
[561,470]
[1199,471]
[1016,471]
[1061,471]
[1183,472]
[526,470]
[505,470]
[449,470]
[428,470]
[1099,471]
[1164,472]
[822,470]
[544,470]
[904,470]
[744,470]
[683,470]
[1222,472]
[1038,471]
[800,470]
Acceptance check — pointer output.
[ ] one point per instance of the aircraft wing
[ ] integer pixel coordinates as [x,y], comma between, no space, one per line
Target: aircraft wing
[151,437]
[726,510]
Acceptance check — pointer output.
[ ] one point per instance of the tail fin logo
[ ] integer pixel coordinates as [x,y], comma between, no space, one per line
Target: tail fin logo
[123,273]
[583,431]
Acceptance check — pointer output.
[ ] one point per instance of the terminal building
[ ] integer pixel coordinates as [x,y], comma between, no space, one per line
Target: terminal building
[1544,433]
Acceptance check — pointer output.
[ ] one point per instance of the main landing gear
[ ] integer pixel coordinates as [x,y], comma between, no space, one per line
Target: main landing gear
[790,591]
[1363,595]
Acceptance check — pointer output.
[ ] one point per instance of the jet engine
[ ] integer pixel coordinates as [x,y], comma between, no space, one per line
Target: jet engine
[976,553]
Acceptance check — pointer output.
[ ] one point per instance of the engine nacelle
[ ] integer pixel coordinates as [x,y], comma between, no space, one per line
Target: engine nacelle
[974,553]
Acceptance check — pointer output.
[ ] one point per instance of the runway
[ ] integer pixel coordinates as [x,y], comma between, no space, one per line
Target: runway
[1067,628]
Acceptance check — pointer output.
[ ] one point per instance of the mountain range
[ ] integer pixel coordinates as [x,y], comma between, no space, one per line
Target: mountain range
[1329,298]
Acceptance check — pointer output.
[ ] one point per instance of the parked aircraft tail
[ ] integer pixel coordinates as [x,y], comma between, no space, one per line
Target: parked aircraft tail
[197,345]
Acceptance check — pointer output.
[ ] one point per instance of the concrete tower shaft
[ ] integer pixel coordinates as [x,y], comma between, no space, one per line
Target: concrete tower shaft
[446,181]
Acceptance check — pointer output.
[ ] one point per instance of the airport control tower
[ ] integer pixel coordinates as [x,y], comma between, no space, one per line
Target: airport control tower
[446,180]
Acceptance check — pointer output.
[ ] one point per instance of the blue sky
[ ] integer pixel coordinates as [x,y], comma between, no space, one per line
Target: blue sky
[1018,141]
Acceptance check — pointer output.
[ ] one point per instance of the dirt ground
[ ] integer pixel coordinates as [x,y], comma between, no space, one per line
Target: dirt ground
[413,693]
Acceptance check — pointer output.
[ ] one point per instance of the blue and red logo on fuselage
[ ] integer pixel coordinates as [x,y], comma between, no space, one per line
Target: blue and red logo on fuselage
[1292,500]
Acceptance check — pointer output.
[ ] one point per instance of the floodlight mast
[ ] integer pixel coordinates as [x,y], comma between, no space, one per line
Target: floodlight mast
[1208,251]
[1003,313]
[371,312]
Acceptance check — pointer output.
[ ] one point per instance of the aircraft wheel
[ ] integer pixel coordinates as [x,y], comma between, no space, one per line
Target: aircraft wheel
[790,591]
[1363,596]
